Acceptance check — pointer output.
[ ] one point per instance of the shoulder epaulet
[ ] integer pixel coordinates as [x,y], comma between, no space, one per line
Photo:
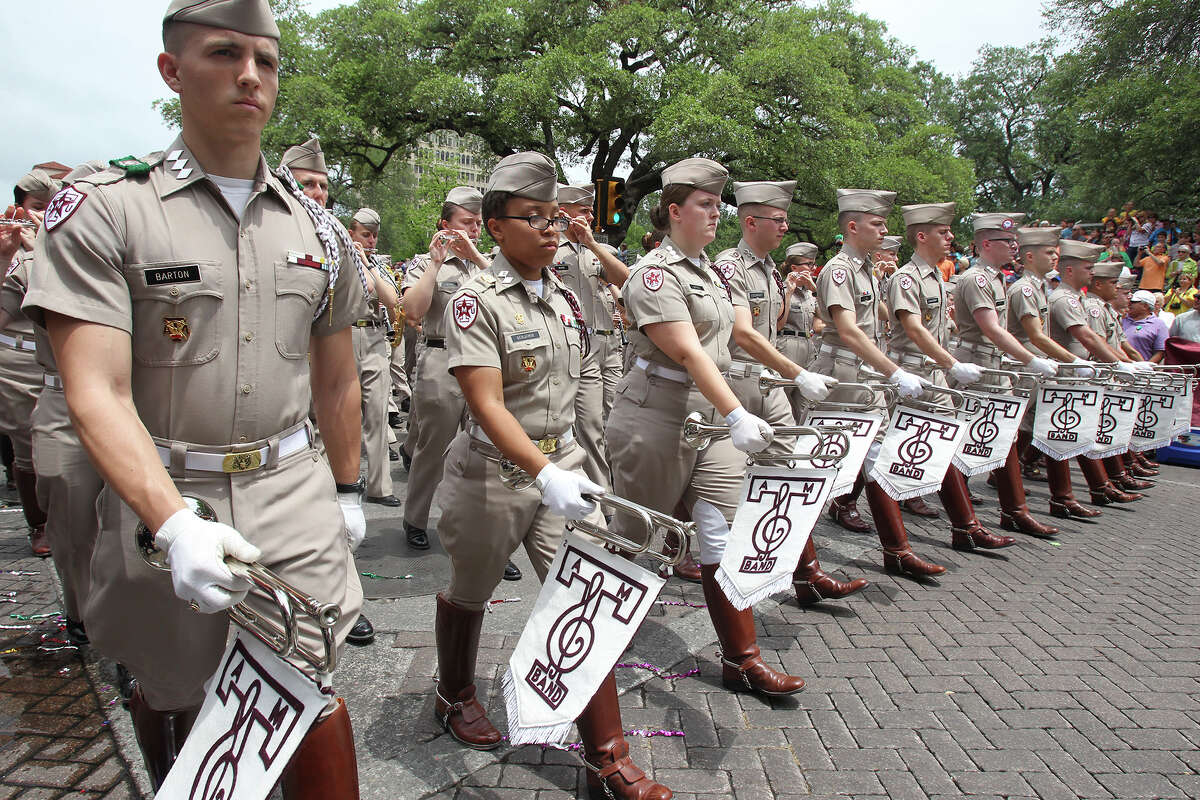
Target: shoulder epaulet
[485,279]
[732,254]
[655,258]
[130,166]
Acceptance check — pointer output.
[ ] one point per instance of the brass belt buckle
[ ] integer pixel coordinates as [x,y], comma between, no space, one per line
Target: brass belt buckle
[241,462]
[548,445]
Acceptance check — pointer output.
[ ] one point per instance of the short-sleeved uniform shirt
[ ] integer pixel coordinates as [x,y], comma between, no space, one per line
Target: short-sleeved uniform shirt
[848,281]
[753,287]
[452,276]
[219,311]
[979,287]
[917,288]
[12,294]
[496,320]
[1026,298]
[1098,320]
[580,271]
[667,286]
[1067,311]
[802,309]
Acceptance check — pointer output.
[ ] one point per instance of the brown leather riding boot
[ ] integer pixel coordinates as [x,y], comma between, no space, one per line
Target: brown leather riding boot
[898,556]
[324,765]
[687,569]
[1121,478]
[742,667]
[965,531]
[1062,496]
[1014,514]
[918,506]
[611,773]
[1102,490]
[812,585]
[160,734]
[35,517]
[844,510]
[456,709]
[1032,459]
[1140,466]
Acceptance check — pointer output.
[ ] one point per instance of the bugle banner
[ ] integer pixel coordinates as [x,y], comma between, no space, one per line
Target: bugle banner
[1118,414]
[859,427]
[1157,419]
[917,449]
[992,424]
[1066,419]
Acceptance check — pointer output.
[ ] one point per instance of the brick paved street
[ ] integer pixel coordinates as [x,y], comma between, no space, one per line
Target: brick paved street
[1052,671]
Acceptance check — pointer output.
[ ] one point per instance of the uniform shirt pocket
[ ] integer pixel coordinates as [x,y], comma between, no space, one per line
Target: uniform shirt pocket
[176,312]
[298,291]
[526,355]
[703,308]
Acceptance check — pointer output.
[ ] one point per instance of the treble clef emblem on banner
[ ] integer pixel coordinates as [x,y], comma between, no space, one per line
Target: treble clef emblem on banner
[775,524]
[1065,417]
[916,449]
[1146,416]
[773,528]
[984,429]
[1108,422]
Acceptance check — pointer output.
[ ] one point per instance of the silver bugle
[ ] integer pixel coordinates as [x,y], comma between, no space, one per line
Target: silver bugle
[698,434]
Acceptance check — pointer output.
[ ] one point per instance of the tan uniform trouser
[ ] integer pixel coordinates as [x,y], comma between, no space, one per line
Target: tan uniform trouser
[67,488]
[609,354]
[20,385]
[440,408]
[847,372]
[484,521]
[371,354]
[400,388]
[799,350]
[288,509]
[589,418]
[774,408]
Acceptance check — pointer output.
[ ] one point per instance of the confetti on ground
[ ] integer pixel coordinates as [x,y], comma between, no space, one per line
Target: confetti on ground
[385,577]
[681,603]
[18,572]
[31,617]
[666,676]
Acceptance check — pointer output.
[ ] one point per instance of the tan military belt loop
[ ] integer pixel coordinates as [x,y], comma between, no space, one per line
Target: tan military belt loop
[178,467]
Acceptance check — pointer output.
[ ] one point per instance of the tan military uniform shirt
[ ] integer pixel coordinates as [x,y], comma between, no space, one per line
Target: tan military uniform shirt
[580,271]
[452,276]
[802,309]
[1066,311]
[18,322]
[12,294]
[848,281]
[1026,298]
[979,287]
[1098,320]
[917,288]
[667,286]
[143,255]
[495,320]
[753,288]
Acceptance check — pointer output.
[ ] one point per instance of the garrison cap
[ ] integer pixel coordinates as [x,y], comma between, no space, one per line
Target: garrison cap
[777,194]
[866,201]
[467,197]
[929,214]
[1038,237]
[801,249]
[1127,282]
[702,173]
[1082,251]
[367,217]
[305,156]
[582,195]
[1001,221]
[891,243]
[529,175]
[1108,269]
[251,17]
[39,184]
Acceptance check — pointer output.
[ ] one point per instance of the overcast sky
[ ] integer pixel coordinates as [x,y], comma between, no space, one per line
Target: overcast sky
[80,76]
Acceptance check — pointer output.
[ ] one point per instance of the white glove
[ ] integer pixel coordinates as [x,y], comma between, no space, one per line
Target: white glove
[965,373]
[196,551]
[1126,367]
[1043,366]
[814,387]
[1142,366]
[356,521]
[910,385]
[562,492]
[749,433]
[1083,368]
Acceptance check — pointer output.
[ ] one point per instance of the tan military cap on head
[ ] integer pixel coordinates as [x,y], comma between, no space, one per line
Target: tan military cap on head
[531,175]
[891,243]
[305,156]
[866,201]
[1002,221]
[1107,269]
[1038,237]
[466,196]
[39,184]
[367,217]
[777,194]
[1127,282]
[929,214]
[579,195]
[702,173]
[802,249]
[251,17]
[1084,251]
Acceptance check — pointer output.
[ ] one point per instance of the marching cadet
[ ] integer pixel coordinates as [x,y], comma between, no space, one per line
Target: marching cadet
[1069,328]
[797,323]
[917,299]
[848,303]
[20,374]
[609,346]
[758,297]
[307,163]
[981,316]
[182,295]
[515,340]
[438,407]
[681,320]
[583,264]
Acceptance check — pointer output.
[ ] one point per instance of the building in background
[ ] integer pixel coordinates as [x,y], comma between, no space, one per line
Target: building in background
[467,156]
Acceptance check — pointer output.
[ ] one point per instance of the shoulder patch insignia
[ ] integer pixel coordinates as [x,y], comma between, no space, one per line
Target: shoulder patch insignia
[982,281]
[1027,291]
[1073,302]
[62,206]
[1095,312]
[838,275]
[653,278]
[727,268]
[906,282]
[466,309]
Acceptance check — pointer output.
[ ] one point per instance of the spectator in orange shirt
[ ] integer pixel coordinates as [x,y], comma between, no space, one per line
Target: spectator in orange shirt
[1154,268]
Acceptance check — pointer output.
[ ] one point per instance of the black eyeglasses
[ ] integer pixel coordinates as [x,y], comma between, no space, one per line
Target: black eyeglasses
[780,221]
[540,223]
[1009,242]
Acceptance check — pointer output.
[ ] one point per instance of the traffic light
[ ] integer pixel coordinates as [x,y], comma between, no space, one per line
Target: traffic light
[610,204]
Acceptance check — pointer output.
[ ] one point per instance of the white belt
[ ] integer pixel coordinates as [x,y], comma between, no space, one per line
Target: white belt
[240,461]
[743,369]
[908,359]
[52,381]
[987,348]
[841,352]
[547,445]
[658,370]
[17,344]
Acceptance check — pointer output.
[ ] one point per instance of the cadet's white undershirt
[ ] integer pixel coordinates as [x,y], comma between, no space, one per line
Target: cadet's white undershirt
[533,286]
[236,191]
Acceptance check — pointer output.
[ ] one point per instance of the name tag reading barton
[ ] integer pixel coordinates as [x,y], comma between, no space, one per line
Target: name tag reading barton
[161,276]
